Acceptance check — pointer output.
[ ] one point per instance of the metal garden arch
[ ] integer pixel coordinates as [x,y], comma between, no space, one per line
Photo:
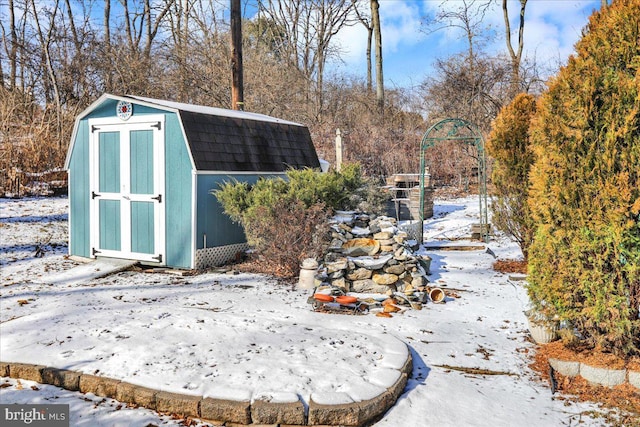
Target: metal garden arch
[467,133]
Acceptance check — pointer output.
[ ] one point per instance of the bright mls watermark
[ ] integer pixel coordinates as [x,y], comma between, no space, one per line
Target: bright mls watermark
[34,415]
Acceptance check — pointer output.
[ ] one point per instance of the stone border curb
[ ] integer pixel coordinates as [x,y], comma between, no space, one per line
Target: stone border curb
[220,412]
[265,412]
[595,375]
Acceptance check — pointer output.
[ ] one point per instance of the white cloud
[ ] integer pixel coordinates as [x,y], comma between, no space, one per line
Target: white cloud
[552,27]
[400,21]
[353,43]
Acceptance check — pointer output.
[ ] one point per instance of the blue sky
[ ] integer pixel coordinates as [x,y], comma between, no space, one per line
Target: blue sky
[551,30]
[552,27]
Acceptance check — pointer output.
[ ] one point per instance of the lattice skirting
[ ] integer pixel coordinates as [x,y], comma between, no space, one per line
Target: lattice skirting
[212,257]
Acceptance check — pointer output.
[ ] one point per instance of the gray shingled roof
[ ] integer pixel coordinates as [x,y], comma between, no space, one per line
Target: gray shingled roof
[228,140]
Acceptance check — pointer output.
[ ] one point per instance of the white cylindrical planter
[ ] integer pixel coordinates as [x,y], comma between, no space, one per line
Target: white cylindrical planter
[308,269]
[543,330]
[543,333]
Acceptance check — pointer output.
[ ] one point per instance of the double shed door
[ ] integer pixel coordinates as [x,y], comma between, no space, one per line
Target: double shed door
[127,188]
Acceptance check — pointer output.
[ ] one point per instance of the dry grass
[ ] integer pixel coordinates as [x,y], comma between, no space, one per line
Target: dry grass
[510,266]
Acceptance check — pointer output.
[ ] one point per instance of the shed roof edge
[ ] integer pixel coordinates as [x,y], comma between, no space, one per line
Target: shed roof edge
[213,111]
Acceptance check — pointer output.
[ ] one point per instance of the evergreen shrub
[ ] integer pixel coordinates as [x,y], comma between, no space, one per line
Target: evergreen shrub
[584,263]
[286,220]
[509,145]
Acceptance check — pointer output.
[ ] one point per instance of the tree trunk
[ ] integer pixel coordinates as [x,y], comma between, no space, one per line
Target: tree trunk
[365,21]
[375,21]
[369,66]
[153,26]
[184,46]
[149,38]
[516,56]
[106,25]
[127,24]
[46,43]
[13,52]
[237,89]
[72,27]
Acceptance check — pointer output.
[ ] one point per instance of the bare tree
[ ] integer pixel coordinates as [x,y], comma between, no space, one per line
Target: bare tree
[516,55]
[16,43]
[45,44]
[179,49]
[465,15]
[12,51]
[179,46]
[199,54]
[464,85]
[307,28]
[365,20]
[273,84]
[381,148]
[374,33]
[143,22]
[476,94]
[106,43]
[125,44]
[377,31]
[72,27]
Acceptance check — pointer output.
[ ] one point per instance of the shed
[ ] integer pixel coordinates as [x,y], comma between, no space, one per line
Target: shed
[141,171]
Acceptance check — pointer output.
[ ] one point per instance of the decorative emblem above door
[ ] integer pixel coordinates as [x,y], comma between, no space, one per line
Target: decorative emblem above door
[124,110]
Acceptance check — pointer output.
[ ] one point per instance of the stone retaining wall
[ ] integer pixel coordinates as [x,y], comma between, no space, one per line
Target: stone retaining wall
[371,255]
[596,375]
[219,411]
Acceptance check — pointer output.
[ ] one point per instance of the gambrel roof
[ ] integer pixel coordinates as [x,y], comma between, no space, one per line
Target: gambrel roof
[237,141]
[232,141]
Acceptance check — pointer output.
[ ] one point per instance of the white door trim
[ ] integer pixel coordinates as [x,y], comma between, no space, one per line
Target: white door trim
[111,124]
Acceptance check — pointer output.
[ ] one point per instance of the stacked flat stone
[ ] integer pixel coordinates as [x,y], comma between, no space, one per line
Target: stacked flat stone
[370,254]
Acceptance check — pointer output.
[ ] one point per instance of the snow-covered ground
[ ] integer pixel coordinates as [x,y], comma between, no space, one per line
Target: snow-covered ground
[212,333]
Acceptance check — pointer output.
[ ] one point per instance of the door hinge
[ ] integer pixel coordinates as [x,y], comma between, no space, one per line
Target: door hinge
[158,198]
[159,258]
[157,125]
[94,195]
[94,251]
[94,128]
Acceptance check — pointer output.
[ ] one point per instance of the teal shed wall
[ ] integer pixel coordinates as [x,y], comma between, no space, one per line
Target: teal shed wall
[79,193]
[212,221]
[179,194]
[178,183]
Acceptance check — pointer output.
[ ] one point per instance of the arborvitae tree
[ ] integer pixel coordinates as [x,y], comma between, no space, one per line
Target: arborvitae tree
[508,144]
[584,263]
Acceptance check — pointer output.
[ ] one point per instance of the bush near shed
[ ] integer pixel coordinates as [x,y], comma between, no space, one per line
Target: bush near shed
[286,220]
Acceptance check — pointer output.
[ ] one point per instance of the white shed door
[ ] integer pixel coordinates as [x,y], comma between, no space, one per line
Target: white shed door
[127,188]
